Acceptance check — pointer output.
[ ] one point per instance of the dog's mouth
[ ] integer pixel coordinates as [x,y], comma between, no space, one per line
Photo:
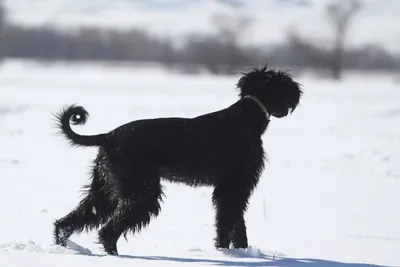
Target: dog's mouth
[284,112]
[280,114]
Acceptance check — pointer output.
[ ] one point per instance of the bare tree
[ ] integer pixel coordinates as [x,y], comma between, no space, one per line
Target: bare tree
[221,51]
[340,15]
[306,53]
[2,28]
[230,31]
[230,28]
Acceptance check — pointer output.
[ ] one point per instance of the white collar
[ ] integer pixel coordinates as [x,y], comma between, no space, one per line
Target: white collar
[255,99]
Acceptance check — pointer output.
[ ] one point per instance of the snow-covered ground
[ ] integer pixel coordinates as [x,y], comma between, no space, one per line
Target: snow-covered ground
[272,19]
[330,194]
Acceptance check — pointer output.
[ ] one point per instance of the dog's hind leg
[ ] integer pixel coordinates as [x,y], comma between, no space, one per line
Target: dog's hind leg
[230,201]
[93,210]
[138,203]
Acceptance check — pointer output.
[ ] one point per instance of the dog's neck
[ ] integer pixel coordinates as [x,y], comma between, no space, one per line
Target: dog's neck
[261,105]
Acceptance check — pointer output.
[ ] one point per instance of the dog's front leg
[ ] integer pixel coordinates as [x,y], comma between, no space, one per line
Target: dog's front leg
[239,235]
[230,202]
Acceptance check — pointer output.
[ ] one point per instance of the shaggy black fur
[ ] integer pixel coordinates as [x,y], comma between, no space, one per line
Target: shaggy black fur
[222,149]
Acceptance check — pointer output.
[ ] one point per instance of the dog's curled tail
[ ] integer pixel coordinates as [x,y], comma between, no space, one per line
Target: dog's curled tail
[77,115]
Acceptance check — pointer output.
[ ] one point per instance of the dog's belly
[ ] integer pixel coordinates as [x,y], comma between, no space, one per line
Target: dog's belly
[190,175]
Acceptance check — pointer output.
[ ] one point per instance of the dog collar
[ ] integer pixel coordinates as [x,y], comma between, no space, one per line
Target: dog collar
[255,99]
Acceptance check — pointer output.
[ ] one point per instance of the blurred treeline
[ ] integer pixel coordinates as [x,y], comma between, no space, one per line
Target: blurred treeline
[220,52]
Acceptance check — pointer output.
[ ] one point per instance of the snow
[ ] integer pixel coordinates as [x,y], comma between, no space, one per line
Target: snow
[329,196]
[178,19]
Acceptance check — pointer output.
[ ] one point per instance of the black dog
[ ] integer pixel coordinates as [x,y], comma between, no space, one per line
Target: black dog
[221,149]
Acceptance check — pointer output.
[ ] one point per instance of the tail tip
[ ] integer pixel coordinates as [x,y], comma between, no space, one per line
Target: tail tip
[79,116]
[73,114]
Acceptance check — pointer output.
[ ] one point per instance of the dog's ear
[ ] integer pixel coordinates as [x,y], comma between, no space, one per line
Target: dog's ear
[248,82]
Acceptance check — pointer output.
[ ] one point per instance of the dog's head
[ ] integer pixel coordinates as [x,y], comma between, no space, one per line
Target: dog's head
[279,93]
